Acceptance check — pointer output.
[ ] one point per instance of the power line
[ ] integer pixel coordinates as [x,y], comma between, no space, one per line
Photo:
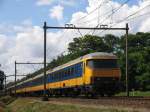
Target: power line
[80,33]
[117,9]
[139,15]
[133,14]
[113,12]
[92,11]
[126,18]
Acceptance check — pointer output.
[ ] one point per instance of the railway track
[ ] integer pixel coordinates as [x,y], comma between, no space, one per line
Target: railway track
[116,101]
[134,102]
[126,98]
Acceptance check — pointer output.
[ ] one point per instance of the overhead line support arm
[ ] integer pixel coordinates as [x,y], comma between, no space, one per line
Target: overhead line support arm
[85,28]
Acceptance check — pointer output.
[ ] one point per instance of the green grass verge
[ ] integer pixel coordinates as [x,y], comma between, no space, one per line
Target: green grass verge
[136,93]
[29,105]
[7,99]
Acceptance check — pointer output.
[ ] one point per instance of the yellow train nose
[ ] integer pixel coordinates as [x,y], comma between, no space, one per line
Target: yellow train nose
[106,73]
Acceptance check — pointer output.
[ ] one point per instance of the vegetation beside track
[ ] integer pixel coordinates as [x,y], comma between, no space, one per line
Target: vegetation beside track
[7,99]
[135,93]
[32,105]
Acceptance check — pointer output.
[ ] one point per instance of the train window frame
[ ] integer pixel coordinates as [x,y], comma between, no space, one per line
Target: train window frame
[102,61]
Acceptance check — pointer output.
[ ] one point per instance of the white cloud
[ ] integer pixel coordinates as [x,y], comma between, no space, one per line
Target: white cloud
[44,2]
[92,19]
[62,2]
[3,41]
[57,12]
[28,46]
[145,26]
[69,2]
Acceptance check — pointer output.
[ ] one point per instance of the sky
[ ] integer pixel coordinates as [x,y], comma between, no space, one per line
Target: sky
[21,22]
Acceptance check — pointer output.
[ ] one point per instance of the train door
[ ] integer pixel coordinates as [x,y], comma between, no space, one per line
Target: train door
[87,73]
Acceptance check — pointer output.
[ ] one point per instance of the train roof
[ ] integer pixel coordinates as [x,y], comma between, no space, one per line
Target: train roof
[100,55]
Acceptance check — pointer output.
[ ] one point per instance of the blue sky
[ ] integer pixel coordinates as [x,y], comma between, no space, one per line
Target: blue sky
[131,2]
[16,11]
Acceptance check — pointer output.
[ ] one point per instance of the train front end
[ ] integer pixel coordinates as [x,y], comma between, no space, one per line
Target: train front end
[103,73]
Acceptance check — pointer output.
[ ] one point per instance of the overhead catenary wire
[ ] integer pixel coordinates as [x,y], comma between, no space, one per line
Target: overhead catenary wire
[128,17]
[83,22]
[147,13]
[134,13]
[80,33]
[98,12]
[78,20]
[113,12]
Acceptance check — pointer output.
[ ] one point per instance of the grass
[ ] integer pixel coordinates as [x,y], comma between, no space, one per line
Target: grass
[29,105]
[7,99]
[136,93]
[9,104]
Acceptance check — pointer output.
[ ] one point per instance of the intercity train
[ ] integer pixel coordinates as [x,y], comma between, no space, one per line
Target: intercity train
[92,74]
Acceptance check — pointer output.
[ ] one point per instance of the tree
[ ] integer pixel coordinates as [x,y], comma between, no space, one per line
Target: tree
[88,44]
[138,60]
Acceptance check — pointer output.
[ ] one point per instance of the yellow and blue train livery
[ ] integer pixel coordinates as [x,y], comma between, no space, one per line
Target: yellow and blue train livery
[95,73]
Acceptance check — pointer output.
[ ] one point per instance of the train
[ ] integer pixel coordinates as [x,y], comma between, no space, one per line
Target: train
[92,74]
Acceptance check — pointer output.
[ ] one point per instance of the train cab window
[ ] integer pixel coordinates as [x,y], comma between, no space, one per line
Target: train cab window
[102,63]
